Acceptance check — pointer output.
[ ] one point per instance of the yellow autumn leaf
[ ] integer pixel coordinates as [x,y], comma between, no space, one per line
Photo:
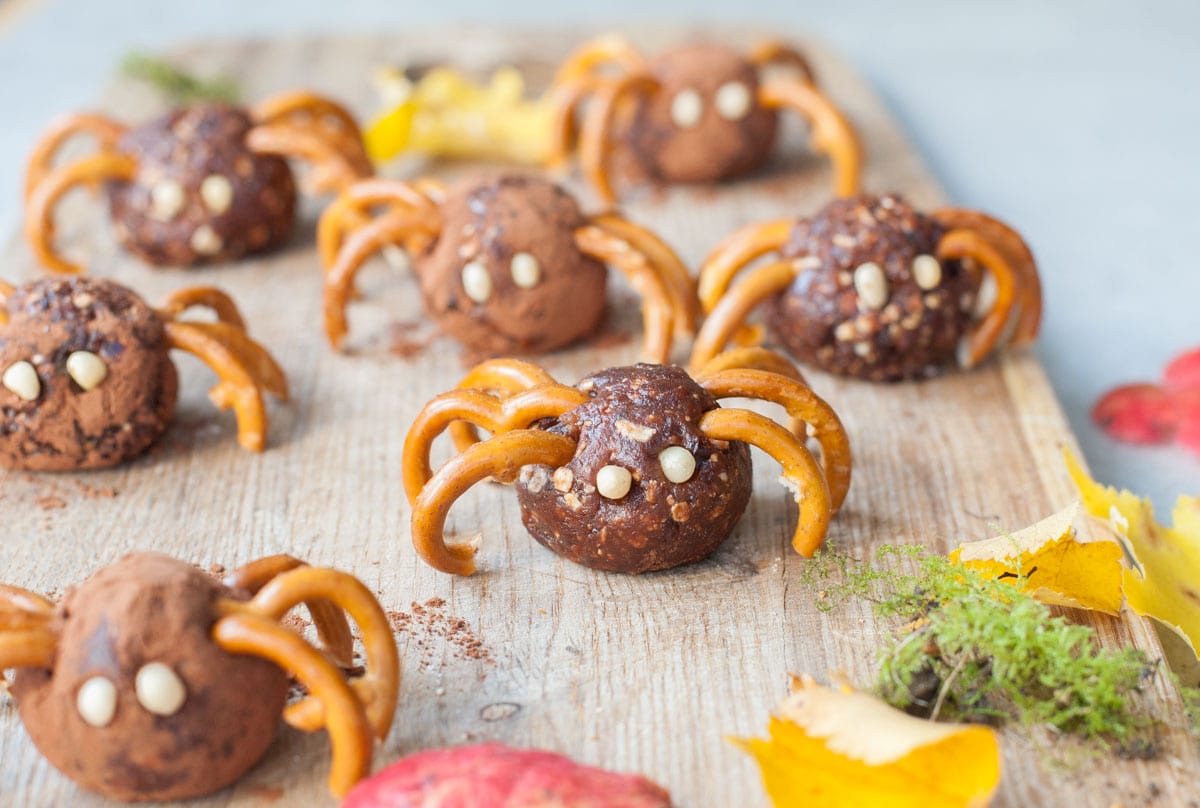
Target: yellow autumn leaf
[840,747]
[1049,561]
[1165,583]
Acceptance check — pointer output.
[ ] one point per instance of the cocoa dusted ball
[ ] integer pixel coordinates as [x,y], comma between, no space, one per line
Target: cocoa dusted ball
[141,704]
[645,490]
[199,193]
[871,299]
[88,381]
[705,123]
[506,276]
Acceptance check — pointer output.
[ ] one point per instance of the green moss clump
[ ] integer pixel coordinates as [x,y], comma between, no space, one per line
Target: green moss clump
[976,650]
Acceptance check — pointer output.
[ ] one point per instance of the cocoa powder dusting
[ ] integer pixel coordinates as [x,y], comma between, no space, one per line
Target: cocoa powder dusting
[408,340]
[430,629]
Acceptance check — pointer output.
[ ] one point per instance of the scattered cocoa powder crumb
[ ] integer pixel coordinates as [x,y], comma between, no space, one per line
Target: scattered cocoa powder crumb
[611,339]
[92,492]
[216,569]
[50,502]
[403,344]
[265,793]
[295,622]
[430,630]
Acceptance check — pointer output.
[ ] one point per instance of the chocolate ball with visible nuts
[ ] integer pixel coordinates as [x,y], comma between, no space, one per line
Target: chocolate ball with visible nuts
[646,489]
[871,299]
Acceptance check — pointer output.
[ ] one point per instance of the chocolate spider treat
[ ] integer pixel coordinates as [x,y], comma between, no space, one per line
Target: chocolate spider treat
[645,490]
[199,193]
[874,301]
[141,704]
[88,382]
[506,262]
[704,123]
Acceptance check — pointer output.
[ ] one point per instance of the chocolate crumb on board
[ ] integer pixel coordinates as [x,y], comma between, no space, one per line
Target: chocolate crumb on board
[429,628]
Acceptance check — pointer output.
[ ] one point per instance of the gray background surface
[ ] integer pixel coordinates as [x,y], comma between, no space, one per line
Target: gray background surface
[1075,120]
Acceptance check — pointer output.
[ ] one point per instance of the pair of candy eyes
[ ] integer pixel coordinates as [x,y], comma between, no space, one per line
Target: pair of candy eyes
[525,269]
[678,465]
[158,688]
[871,284]
[85,368]
[732,101]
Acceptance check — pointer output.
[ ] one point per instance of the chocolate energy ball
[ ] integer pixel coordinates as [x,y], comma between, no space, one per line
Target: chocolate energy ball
[645,490]
[506,276]
[67,334]
[200,194]
[705,122]
[141,704]
[872,300]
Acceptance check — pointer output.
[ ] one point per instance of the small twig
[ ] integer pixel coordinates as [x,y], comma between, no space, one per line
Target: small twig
[941,699]
[178,85]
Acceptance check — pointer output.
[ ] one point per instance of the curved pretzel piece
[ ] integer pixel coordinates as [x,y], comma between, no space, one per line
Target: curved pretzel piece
[330,622]
[106,131]
[802,404]
[244,368]
[959,244]
[324,116]
[596,131]
[22,610]
[800,471]
[727,318]
[500,456]
[658,311]
[773,52]
[734,253]
[565,99]
[665,261]
[39,215]
[832,133]
[1020,257]
[28,648]
[518,411]
[596,54]
[349,728]
[499,377]
[208,297]
[352,209]
[332,167]
[396,226]
[756,357]
[377,689]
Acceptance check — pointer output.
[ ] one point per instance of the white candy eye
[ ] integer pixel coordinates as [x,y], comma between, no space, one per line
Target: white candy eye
[733,100]
[22,380]
[167,200]
[871,285]
[217,192]
[87,369]
[927,271]
[526,270]
[613,482]
[477,282]
[96,701]
[687,108]
[159,689]
[678,464]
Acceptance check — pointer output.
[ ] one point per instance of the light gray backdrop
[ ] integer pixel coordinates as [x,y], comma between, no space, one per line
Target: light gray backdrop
[1077,120]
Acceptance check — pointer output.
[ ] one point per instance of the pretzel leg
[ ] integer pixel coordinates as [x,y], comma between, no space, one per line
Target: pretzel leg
[22,610]
[664,260]
[500,456]
[393,227]
[480,409]
[832,133]
[333,167]
[801,403]
[1020,257]
[207,297]
[601,51]
[737,251]
[565,99]
[730,313]
[326,117]
[332,628]
[31,648]
[245,370]
[352,207]
[596,132]
[379,686]
[23,599]
[496,376]
[959,244]
[39,212]
[800,471]
[772,52]
[106,131]
[657,312]
[756,357]
[346,720]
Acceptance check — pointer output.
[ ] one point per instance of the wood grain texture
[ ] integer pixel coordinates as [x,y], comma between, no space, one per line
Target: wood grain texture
[636,673]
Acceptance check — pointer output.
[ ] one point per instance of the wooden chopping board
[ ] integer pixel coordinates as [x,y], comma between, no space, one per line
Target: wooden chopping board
[642,674]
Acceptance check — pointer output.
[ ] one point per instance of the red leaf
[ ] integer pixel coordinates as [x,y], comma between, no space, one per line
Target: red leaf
[1188,435]
[1137,413]
[1183,374]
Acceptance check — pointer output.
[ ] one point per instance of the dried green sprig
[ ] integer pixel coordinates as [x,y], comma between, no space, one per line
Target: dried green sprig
[177,85]
[973,649]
